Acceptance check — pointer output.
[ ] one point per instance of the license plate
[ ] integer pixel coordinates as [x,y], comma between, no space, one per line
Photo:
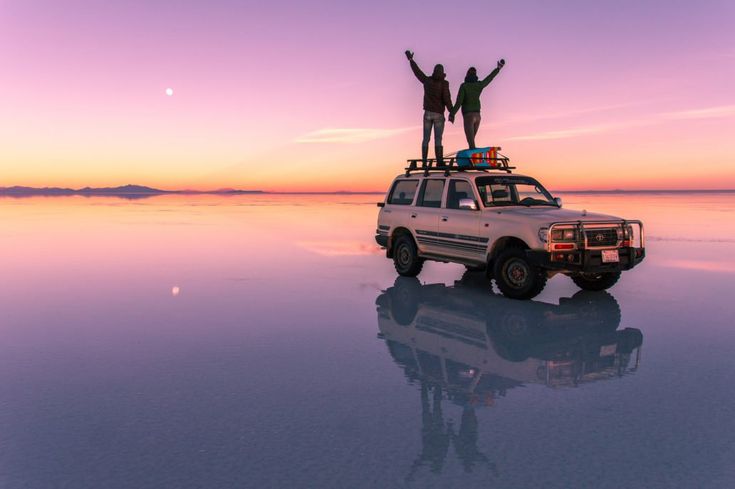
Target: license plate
[607,350]
[610,256]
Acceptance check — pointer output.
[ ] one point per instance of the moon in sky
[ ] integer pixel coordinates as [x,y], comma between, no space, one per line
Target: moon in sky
[169,91]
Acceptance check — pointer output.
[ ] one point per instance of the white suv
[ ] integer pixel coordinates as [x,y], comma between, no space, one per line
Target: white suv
[504,223]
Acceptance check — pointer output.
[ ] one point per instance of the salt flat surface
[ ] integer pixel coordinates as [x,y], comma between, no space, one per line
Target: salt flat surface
[264,341]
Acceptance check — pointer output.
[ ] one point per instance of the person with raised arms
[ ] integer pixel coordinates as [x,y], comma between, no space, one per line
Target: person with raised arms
[436,99]
[468,98]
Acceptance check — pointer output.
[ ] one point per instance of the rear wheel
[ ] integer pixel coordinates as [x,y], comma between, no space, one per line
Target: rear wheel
[596,281]
[516,277]
[406,258]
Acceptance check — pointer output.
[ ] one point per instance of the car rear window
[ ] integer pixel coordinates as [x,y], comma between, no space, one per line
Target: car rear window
[403,192]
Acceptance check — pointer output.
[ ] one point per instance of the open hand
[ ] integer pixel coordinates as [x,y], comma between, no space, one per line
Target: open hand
[409,54]
[501,63]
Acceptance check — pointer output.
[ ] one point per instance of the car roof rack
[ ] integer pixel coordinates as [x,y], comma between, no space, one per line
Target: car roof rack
[453,163]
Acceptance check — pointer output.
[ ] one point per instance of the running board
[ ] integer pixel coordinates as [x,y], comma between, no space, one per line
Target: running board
[451,259]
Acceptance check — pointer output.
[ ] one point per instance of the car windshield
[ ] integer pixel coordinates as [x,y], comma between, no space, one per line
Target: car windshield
[512,191]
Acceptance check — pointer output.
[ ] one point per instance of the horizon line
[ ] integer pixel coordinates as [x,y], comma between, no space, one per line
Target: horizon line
[131,189]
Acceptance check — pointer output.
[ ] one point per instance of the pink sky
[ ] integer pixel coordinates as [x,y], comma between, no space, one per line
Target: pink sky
[318,96]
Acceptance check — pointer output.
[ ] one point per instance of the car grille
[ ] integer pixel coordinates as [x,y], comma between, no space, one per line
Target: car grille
[601,237]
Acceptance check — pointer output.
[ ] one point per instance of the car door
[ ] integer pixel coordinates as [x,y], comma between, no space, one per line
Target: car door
[425,214]
[459,229]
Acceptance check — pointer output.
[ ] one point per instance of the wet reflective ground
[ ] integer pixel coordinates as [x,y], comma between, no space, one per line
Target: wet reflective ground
[264,341]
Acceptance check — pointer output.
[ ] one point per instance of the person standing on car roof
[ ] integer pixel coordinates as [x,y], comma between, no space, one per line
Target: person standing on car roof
[468,99]
[436,98]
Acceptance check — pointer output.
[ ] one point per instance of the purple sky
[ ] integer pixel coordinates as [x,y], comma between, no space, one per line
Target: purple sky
[82,89]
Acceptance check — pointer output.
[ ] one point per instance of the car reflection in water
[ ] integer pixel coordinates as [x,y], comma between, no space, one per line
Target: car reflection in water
[469,346]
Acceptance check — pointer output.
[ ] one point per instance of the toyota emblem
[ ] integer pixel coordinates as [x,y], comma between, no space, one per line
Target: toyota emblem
[599,237]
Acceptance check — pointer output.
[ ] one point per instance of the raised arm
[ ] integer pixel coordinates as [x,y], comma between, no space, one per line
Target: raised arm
[416,70]
[486,81]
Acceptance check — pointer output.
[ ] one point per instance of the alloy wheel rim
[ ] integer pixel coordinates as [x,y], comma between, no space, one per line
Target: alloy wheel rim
[404,256]
[517,273]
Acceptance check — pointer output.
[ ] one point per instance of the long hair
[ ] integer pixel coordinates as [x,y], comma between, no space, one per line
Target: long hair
[471,75]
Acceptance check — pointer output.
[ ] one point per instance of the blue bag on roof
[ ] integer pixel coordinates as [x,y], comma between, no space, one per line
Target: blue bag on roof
[479,158]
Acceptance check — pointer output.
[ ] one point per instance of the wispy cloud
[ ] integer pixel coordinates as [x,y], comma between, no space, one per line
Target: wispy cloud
[654,119]
[350,136]
[565,114]
[564,133]
[707,113]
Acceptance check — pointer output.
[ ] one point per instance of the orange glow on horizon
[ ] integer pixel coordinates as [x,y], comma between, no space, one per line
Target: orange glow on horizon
[670,154]
[262,103]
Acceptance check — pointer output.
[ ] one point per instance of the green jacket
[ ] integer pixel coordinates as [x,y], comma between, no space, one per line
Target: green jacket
[469,93]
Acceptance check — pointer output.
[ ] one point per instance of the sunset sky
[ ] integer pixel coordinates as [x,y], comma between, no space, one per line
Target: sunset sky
[319,96]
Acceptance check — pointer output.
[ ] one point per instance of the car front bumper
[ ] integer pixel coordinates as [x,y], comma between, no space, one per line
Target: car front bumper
[588,261]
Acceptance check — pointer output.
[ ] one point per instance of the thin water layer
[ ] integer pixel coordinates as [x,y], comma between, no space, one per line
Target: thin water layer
[265,341]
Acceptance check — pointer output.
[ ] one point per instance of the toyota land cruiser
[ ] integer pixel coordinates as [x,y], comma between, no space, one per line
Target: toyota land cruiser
[484,216]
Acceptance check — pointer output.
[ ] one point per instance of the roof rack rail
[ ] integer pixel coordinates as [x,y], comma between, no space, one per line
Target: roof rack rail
[452,164]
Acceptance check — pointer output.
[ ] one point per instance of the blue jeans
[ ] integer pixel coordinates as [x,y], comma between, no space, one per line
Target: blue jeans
[435,120]
[471,126]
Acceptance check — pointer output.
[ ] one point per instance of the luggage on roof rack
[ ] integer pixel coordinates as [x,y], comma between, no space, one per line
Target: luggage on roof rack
[482,159]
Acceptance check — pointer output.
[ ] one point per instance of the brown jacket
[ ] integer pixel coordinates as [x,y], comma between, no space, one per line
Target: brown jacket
[436,90]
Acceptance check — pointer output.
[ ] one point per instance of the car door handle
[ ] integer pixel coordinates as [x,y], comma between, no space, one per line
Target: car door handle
[445,218]
[413,215]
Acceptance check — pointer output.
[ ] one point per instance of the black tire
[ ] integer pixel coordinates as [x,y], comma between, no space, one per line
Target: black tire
[600,310]
[405,296]
[596,281]
[514,325]
[516,277]
[406,258]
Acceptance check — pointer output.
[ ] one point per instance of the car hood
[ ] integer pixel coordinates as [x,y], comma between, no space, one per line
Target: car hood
[546,215]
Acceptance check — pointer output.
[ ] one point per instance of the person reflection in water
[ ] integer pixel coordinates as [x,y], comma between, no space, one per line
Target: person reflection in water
[465,442]
[434,432]
[437,435]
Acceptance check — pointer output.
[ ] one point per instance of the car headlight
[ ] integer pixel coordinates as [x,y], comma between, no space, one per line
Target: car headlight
[628,232]
[563,235]
[543,234]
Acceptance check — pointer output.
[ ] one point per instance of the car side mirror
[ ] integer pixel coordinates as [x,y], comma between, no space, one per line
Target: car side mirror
[558,201]
[468,204]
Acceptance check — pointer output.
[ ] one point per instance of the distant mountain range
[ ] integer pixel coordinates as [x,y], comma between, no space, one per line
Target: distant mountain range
[141,192]
[127,191]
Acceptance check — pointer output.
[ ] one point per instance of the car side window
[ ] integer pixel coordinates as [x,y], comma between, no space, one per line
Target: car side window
[403,192]
[431,193]
[458,190]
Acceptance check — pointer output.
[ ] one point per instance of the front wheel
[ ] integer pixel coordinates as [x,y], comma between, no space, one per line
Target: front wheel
[596,281]
[406,258]
[516,277]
